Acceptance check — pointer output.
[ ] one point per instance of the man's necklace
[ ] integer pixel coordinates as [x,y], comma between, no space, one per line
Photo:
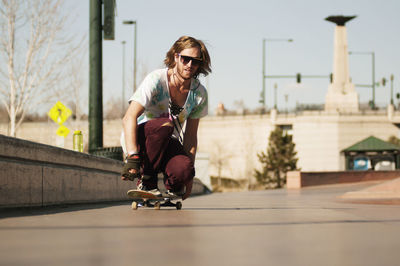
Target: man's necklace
[174,108]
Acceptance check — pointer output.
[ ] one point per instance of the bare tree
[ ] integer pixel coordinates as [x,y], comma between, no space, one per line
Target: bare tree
[219,158]
[75,85]
[112,109]
[35,51]
[143,70]
[240,107]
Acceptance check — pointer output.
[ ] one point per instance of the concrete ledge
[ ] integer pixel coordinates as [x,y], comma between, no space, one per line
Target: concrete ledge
[29,151]
[297,179]
[33,174]
[387,190]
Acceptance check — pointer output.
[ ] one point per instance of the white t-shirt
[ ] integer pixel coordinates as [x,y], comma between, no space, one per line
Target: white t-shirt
[153,95]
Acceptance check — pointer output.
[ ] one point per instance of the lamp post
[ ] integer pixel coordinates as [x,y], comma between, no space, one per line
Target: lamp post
[391,89]
[286,101]
[133,22]
[373,75]
[262,100]
[123,76]
[95,76]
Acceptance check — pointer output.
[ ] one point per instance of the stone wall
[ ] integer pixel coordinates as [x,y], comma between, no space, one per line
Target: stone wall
[33,174]
[297,179]
[232,142]
[320,138]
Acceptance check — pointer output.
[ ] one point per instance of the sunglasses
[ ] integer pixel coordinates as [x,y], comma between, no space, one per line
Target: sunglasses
[186,59]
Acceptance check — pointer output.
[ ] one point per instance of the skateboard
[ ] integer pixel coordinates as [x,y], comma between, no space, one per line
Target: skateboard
[146,199]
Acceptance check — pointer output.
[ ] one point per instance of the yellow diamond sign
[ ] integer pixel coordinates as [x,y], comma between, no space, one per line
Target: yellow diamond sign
[63,131]
[59,113]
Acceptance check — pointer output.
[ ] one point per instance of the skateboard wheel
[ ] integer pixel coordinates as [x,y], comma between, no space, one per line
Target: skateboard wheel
[179,205]
[134,205]
[157,205]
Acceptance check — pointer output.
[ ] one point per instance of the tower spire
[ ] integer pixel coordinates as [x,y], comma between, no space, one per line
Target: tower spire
[341,96]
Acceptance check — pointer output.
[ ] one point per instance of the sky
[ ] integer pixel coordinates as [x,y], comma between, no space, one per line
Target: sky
[233,32]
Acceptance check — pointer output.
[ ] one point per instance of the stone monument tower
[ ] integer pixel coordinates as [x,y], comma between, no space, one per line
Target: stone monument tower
[342,96]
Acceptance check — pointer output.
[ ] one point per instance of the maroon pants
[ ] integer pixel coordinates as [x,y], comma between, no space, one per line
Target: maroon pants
[163,153]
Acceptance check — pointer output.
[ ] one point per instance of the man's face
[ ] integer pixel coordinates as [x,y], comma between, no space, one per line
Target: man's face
[188,62]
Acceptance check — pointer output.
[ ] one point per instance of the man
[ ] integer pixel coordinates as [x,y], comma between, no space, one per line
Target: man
[153,138]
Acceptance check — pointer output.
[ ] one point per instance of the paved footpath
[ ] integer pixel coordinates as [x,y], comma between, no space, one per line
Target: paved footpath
[302,227]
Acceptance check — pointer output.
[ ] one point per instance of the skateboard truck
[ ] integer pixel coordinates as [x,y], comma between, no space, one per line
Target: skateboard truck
[146,199]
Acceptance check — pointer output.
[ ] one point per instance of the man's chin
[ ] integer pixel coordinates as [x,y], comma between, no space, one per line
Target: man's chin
[187,74]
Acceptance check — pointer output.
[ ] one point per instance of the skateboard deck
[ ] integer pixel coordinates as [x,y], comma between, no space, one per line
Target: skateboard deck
[146,199]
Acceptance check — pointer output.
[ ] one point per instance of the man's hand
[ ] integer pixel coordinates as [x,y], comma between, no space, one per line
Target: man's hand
[131,169]
[188,190]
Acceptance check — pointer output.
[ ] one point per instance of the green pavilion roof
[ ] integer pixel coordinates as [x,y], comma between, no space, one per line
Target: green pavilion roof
[372,144]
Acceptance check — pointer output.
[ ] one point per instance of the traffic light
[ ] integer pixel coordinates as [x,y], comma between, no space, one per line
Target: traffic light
[298,78]
[371,104]
[261,98]
[383,82]
[331,77]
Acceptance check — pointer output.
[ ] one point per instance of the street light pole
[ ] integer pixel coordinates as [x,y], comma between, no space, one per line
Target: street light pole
[133,22]
[123,77]
[262,100]
[391,89]
[373,80]
[263,76]
[373,75]
[95,76]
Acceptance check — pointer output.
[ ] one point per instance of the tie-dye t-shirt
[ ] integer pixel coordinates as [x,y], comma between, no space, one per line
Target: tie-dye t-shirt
[153,95]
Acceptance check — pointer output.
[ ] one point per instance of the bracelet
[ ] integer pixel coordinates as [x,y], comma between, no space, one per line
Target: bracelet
[133,156]
[132,153]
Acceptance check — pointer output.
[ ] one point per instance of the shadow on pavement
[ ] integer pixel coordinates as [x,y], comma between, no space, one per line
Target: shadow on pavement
[34,211]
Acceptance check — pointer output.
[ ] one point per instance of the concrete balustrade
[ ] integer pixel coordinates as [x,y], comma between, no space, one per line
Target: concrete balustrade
[33,174]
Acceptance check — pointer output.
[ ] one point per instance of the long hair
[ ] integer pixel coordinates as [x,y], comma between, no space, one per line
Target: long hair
[183,43]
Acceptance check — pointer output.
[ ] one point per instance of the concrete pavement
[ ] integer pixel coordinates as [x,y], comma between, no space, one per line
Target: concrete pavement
[311,226]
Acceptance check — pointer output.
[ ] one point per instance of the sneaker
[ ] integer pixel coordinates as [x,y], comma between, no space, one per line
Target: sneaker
[153,191]
[173,193]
